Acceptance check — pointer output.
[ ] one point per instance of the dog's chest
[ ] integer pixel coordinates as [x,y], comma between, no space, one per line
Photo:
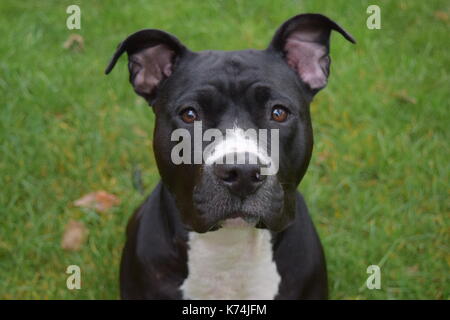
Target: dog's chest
[235,262]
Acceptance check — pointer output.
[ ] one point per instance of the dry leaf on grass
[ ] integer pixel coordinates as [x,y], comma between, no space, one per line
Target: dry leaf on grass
[404,97]
[74,42]
[441,15]
[98,200]
[74,236]
[412,270]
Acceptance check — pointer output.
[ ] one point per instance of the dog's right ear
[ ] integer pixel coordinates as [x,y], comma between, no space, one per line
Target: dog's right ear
[152,57]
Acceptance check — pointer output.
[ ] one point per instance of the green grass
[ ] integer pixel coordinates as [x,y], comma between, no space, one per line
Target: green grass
[377,186]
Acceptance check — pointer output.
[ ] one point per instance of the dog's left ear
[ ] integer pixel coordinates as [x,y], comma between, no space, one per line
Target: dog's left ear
[304,43]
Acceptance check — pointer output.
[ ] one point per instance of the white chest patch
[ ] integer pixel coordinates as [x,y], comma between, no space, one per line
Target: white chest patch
[234,262]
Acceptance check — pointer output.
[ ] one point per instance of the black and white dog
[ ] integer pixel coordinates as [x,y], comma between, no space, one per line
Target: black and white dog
[215,230]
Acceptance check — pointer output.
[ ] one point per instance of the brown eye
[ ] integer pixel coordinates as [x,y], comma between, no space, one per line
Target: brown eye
[279,113]
[189,115]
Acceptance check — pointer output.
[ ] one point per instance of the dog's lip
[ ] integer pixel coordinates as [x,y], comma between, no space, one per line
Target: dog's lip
[239,219]
[235,223]
[236,215]
[236,220]
[243,215]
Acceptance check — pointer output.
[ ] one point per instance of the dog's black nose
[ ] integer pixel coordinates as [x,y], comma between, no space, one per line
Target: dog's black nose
[241,179]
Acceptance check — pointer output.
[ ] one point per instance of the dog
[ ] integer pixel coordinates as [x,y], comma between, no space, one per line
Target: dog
[214,230]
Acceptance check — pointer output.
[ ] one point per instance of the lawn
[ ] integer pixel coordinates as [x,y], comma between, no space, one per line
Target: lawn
[377,186]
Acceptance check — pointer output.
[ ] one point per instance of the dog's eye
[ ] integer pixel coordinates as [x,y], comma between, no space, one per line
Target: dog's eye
[189,115]
[279,113]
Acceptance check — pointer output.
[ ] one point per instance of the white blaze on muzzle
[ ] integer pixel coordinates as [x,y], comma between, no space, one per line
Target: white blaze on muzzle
[239,143]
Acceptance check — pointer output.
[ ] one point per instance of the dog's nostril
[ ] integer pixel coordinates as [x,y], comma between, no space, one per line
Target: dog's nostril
[230,176]
[256,175]
[225,173]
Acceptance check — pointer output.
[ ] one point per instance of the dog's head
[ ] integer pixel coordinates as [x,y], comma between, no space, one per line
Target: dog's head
[233,135]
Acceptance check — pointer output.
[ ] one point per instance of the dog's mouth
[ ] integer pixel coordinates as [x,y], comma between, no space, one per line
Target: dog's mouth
[212,205]
[243,216]
[239,220]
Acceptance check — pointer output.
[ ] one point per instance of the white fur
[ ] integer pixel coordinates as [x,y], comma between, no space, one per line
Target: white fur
[237,141]
[234,262]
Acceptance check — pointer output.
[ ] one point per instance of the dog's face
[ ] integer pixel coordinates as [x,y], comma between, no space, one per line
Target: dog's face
[235,94]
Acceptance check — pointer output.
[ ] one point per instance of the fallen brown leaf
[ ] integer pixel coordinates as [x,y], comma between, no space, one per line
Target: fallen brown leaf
[74,42]
[441,15]
[98,200]
[74,236]
[404,97]
[412,269]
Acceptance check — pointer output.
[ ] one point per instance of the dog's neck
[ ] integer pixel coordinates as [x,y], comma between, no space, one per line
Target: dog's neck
[234,262]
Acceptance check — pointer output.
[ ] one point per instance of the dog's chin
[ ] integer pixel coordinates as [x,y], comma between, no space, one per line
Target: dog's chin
[238,220]
[213,206]
[232,221]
